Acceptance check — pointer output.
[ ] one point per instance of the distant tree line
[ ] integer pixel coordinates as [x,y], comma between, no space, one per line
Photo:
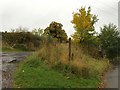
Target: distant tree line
[22,38]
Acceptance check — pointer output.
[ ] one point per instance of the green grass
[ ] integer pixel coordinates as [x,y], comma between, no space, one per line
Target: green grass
[8,49]
[34,73]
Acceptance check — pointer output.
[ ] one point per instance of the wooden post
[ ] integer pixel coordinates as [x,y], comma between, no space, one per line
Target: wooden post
[69,49]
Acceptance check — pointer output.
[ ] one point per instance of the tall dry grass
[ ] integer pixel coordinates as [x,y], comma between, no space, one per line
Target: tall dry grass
[56,56]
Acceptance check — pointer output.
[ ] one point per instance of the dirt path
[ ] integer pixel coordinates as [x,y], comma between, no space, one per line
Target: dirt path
[9,63]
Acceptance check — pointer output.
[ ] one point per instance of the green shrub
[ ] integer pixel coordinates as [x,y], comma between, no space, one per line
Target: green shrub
[20,46]
[22,40]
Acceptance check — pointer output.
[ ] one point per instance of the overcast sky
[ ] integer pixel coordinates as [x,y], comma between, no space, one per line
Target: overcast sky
[40,13]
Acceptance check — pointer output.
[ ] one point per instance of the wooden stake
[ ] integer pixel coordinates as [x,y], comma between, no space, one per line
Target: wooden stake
[69,49]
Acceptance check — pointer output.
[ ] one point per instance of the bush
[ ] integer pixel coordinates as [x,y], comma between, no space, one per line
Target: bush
[21,40]
[110,41]
[20,46]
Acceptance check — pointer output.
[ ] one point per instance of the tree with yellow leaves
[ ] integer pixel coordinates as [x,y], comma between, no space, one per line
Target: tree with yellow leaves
[84,25]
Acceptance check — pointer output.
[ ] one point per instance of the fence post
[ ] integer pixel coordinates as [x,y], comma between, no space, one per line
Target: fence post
[69,49]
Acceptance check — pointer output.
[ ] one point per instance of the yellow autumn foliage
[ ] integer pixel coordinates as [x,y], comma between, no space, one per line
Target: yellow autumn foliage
[83,22]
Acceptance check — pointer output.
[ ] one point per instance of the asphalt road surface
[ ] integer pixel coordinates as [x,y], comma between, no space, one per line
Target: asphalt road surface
[112,78]
[9,63]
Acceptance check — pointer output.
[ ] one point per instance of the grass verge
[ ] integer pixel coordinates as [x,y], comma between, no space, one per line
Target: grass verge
[9,49]
[34,73]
